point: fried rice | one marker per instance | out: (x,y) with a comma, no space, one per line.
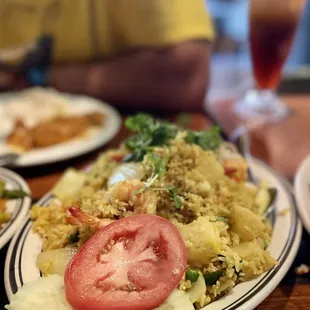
(219,215)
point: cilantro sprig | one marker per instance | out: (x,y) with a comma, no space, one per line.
(208,139)
(149,133)
(173,192)
(174,196)
(159,165)
(159,169)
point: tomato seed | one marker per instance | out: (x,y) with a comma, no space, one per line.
(128,288)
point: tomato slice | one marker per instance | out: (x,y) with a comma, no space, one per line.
(132,264)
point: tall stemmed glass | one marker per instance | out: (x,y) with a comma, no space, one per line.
(273,25)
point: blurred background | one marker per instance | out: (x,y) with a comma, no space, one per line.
(231,66)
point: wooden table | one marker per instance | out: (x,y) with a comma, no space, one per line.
(292,293)
(282,145)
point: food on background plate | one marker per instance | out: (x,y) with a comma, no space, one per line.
(55,131)
(33,106)
(5,195)
(162,171)
(40,118)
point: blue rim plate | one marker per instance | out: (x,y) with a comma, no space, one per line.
(18,207)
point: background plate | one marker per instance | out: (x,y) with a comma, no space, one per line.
(18,207)
(77,147)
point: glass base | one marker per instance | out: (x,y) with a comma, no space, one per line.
(261,106)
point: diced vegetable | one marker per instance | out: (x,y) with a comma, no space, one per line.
(70,184)
(273,194)
(265,198)
(10,194)
(202,241)
(220,219)
(13,194)
(191,275)
(198,289)
(55,261)
(212,277)
(246,224)
(237,270)
(176,301)
(252,252)
(210,168)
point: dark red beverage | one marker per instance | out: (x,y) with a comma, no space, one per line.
(273,26)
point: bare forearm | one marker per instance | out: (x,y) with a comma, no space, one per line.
(172,79)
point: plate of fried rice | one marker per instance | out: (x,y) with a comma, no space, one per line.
(169,220)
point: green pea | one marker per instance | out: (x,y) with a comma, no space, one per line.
(266,244)
(212,277)
(191,275)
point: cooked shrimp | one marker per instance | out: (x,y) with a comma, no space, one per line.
(123,193)
(77,217)
(141,203)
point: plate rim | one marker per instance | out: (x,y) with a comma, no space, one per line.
(24,206)
(301,173)
(250,299)
(277,273)
(113,112)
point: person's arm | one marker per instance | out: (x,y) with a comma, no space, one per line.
(173,78)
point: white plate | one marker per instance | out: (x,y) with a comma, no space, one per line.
(77,147)
(18,207)
(20,265)
(302,192)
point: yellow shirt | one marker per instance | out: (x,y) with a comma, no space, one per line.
(91,29)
